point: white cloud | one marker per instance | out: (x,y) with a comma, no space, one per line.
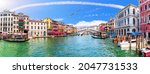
(87,24)
(59,19)
(67,3)
(5,4)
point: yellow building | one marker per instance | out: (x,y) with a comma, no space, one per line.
(49,25)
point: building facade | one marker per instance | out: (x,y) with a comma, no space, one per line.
(145,18)
(70,29)
(61,28)
(111,24)
(111,28)
(55,28)
(10,22)
(102,27)
(37,28)
(127,20)
(49,24)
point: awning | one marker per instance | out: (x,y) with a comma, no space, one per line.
(134,33)
(56,33)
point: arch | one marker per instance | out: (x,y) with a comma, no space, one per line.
(122,32)
(133,30)
(125,32)
(119,32)
(134,21)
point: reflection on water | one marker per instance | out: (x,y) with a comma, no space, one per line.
(78,46)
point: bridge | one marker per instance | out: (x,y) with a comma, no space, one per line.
(86,31)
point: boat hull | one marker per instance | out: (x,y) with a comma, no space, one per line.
(17,40)
(145,52)
(126,46)
(98,37)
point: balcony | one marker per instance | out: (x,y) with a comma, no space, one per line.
(21,23)
(21,27)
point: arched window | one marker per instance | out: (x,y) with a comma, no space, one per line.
(119,32)
(125,32)
(133,30)
(134,21)
(128,29)
(133,11)
(122,32)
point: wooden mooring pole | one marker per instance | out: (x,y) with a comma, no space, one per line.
(129,43)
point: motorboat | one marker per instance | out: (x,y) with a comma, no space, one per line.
(125,45)
(145,52)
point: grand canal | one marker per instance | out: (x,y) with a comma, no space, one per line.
(75,46)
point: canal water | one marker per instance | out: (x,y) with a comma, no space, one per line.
(75,46)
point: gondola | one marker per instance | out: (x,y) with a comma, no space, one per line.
(98,37)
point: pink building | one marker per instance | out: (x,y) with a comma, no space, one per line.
(145,17)
(102,27)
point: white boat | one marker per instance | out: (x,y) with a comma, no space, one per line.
(125,45)
(30,37)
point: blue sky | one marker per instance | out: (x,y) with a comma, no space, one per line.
(69,14)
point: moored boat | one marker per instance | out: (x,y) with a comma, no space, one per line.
(101,35)
(125,45)
(17,37)
(145,52)
(96,37)
(17,40)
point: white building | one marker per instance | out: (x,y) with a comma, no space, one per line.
(127,20)
(37,28)
(9,22)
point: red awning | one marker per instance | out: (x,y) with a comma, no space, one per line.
(56,33)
